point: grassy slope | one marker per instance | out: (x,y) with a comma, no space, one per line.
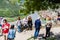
(12,19)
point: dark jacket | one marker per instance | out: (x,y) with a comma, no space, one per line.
(37,24)
(58,19)
(30,23)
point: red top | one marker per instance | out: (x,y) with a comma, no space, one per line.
(5,28)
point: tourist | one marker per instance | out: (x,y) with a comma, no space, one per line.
(5,28)
(25,23)
(11,33)
(48,28)
(1,26)
(58,17)
(37,27)
(58,20)
(18,23)
(29,23)
(0,29)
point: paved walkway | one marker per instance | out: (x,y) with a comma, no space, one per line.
(25,35)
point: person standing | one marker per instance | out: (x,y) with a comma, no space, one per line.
(0,29)
(11,33)
(37,27)
(29,23)
(5,28)
(48,27)
(58,20)
(1,26)
(19,24)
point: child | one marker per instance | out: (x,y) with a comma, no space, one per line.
(11,33)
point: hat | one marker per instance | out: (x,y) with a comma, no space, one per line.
(38,18)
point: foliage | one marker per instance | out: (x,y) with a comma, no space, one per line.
(9,8)
(32,5)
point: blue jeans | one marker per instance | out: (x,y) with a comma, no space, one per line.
(10,38)
(19,28)
(36,33)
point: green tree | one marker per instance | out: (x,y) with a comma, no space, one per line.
(11,6)
(32,5)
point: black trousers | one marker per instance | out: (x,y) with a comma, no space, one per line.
(48,31)
(29,26)
(25,26)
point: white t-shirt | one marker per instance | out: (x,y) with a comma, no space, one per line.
(25,21)
(18,22)
(48,22)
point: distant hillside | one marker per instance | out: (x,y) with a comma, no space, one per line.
(9,8)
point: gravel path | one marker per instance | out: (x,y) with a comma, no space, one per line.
(27,34)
